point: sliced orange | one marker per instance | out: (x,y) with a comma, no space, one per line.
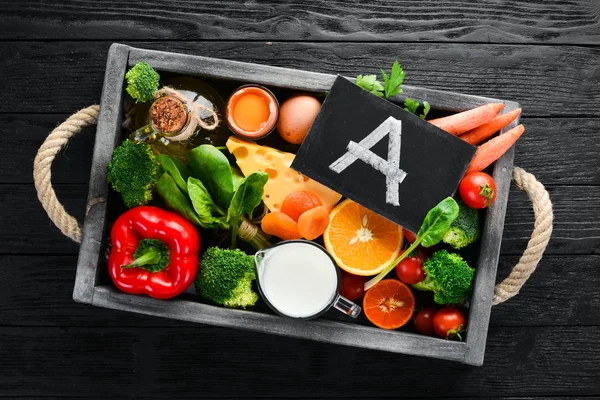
(389,304)
(360,241)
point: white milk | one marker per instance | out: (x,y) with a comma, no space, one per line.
(298,279)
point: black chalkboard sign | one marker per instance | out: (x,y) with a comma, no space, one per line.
(381,156)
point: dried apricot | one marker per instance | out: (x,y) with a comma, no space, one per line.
(297,203)
(280,225)
(313,222)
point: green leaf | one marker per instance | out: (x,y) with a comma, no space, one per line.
(394,81)
(212,167)
(434,227)
(246,198)
(174,198)
(411,105)
(178,170)
(426,108)
(210,215)
(238,178)
(437,222)
(370,83)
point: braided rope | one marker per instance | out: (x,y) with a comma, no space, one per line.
(69,226)
(542,208)
(42,169)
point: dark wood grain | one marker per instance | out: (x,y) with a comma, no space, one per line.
(25,228)
(37,291)
(556,150)
(462,21)
(187,362)
(546,80)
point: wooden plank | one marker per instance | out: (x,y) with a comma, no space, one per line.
(77,70)
(576,221)
(171,362)
(22,134)
(490,22)
(25,228)
(37,291)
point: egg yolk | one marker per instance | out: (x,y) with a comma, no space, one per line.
(251,112)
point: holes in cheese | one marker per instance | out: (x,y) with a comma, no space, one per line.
(251,157)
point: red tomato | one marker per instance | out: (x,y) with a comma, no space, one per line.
(410,270)
(408,235)
(449,323)
(478,190)
(424,321)
(352,286)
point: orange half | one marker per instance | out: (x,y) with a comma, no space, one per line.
(389,304)
(361,241)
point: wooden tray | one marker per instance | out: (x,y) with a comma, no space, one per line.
(92,289)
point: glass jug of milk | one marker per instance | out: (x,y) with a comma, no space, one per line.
(299,279)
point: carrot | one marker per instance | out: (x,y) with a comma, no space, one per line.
(479,134)
(457,124)
(312,223)
(493,149)
(280,225)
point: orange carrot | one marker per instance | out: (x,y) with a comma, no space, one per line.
(493,149)
(479,134)
(457,124)
(312,223)
(280,225)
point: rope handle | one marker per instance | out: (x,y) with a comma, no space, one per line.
(68,225)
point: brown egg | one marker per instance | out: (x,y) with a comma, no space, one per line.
(296,115)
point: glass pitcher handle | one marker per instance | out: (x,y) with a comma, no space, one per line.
(347,307)
(142,134)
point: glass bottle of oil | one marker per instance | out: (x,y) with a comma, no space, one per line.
(161,123)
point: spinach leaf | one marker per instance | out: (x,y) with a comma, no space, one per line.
(434,227)
(245,200)
(211,216)
(175,199)
(437,222)
(238,178)
(212,167)
(178,170)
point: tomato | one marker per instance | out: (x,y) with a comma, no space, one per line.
(424,321)
(449,323)
(352,286)
(409,236)
(478,190)
(410,270)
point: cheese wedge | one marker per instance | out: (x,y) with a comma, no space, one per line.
(283,180)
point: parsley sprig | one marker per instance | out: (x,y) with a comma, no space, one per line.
(392,85)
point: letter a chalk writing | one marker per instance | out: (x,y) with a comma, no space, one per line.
(390,167)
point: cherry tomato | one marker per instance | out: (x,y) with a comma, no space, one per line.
(409,236)
(449,323)
(410,270)
(352,286)
(424,321)
(478,190)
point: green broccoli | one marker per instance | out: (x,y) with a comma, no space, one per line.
(448,276)
(133,172)
(142,82)
(465,228)
(225,277)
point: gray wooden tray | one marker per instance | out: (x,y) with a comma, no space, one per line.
(92,290)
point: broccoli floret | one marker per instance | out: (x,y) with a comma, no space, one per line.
(133,172)
(142,82)
(448,276)
(465,228)
(225,277)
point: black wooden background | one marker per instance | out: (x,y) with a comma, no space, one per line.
(546,55)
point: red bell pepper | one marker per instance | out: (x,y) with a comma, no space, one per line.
(154,252)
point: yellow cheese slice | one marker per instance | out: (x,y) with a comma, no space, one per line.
(283,180)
